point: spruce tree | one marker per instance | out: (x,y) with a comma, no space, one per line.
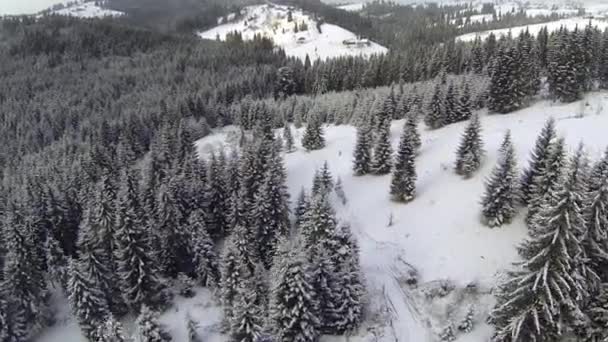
(216,199)
(452,105)
(288,138)
(293,308)
(403,184)
(205,258)
(501,194)
(148,329)
(192,327)
(538,159)
(465,103)
(383,151)
(595,242)
(547,288)
(411,127)
(470,152)
(87,300)
(313,138)
(110,331)
(323,181)
(597,311)
(363,154)
(326,286)
(231,274)
(139,280)
(301,208)
(320,221)
(547,182)
(435,116)
(246,324)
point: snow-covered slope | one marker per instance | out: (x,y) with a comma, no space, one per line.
(87,10)
(569,23)
(439,233)
(272,21)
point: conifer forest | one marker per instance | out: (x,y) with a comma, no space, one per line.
(415,185)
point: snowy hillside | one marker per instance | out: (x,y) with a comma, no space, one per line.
(569,23)
(272,21)
(90,9)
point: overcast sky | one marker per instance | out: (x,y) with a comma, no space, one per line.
(25,6)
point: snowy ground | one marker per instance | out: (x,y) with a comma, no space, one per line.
(87,10)
(271,21)
(569,23)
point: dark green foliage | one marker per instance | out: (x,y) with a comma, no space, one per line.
(403,183)
(383,152)
(313,135)
(435,116)
(205,257)
(537,159)
(363,153)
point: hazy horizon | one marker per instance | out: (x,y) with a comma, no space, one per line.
(13,7)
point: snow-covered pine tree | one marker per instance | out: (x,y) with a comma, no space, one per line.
(98,242)
(435,116)
(293,307)
(205,257)
(597,311)
(465,103)
(326,286)
(323,181)
(595,242)
(110,331)
(452,105)
(546,291)
(247,319)
(501,194)
(313,138)
(403,183)
(139,281)
(470,152)
(148,328)
(217,198)
(603,62)
(57,263)
(270,214)
(288,138)
(176,248)
(411,127)
(547,182)
(184,285)
(87,300)
(231,277)
(383,151)
(538,159)
(302,205)
(448,334)
(320,221)
(352,290)
(362,163)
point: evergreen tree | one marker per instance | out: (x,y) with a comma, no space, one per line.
(320,221)
(232,274)
(325,284)
(500,198)
(301,208)
(176,249)
(597,311)
(339,190)
(148,329)
(403,184)
(216,199)
(547,288)
(205,257)
(57,263)
(313,135)
(411,127)
(467,323)
(293,308)
(139,280)
(538,159)
(192,328)
(547,182)
(452,105)
(246,323)
(323,181)
(110,331)
(383,151)
(435,116)
(603,62)
(288,138)
(363,154)
(87,299)
(505,94)
(470,152)
(271,213)
(465,103)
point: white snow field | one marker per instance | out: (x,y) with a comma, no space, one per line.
(87,10)
(271,21)
(569,23)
